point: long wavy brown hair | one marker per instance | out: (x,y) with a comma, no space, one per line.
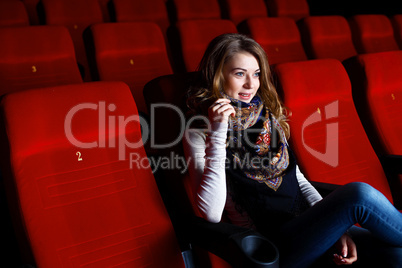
(220,50)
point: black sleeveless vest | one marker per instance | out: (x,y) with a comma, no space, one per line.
(268,209)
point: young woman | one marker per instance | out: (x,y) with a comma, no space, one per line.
(242,169)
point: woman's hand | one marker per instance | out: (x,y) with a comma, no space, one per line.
(347,249)
(220,111)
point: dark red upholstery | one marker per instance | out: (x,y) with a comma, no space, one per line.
(372,33)
(377,89)
(190,9)
(326,133)
(327,37)
(380,88)
(13,13)
(237,11)
(151,10)
(132,52)
(195,36)
(396,21)
(31,8)
(76,15)
(295,9)
(85,206)
(107,10)
(279,37)
(36,56)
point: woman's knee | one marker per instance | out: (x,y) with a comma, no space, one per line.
(360,191)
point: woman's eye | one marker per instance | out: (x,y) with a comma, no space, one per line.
(239,74)
(257,74)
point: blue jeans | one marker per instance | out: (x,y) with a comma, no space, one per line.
(311,235)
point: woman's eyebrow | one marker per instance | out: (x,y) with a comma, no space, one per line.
(244,70)
(238,68)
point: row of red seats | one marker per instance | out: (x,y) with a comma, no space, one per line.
(161,11)
(78,15)
(90,206)
(137,52)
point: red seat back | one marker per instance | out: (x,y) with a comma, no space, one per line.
(190,9)
(77,16)
(195,35)
(372,33)
(326,133)
(327,37)
(279,37)
(151,11)
(132,52)
(295,9)
(36,56)
(91,204)
(238,12)
(379,90)
(13,13)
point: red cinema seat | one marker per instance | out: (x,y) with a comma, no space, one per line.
(295,9)
(132,52)
(372,33)
(190,9)
(326,133)
(195,36)
(327,37)
(13,13)
(82,200)
(135,11)
(396,21)
(377,90)
(36,56)
(77,16)
(237,11)
(279,37)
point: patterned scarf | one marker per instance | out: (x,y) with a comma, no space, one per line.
(254,156)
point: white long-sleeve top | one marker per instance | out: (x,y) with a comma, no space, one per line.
(206,155)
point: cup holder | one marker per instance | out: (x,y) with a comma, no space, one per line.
(261,251)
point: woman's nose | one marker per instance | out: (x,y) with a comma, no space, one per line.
(248,83)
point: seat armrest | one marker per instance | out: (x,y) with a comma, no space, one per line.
(392,163)
(239,246)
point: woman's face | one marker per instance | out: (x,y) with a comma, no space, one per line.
(242,77)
